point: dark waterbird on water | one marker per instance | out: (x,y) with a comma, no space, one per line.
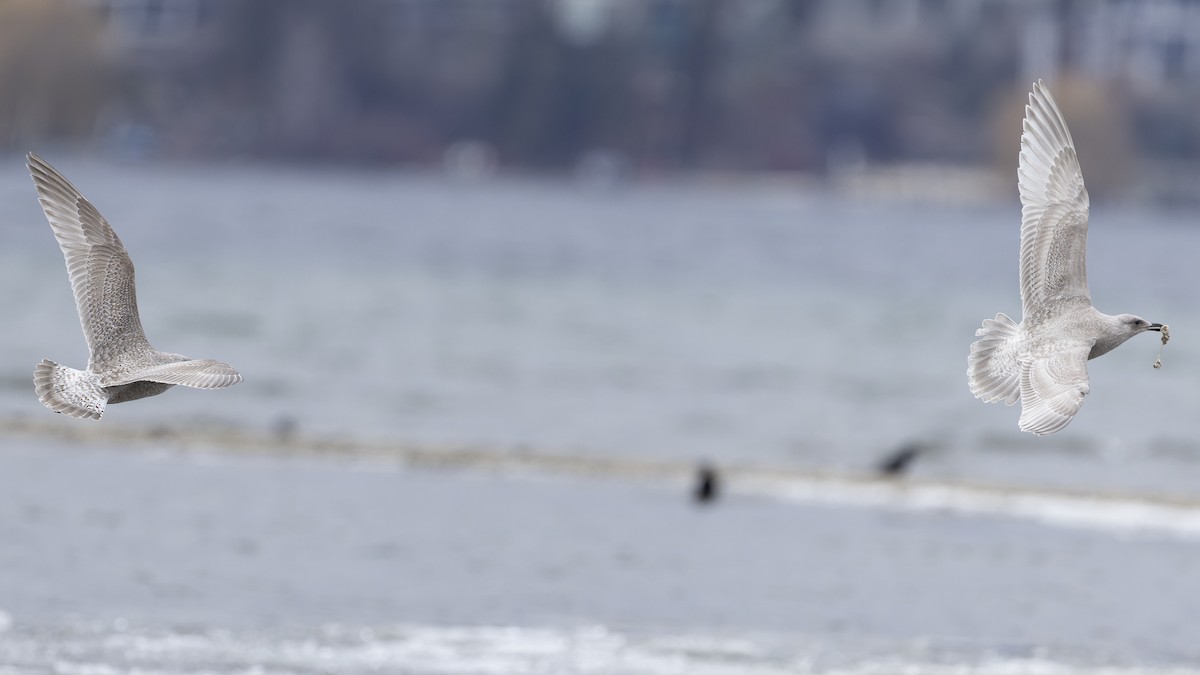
(708,484)
(899,461)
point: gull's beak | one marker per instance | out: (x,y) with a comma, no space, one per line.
(1155,326)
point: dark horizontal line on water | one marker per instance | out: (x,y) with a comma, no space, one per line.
(1124,512)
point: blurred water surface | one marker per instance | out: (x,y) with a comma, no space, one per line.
(150,562)
(751,323)
(765,325)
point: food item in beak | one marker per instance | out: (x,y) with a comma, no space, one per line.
(1166,335)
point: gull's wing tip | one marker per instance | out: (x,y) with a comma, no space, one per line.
(1039,92)
(39,167)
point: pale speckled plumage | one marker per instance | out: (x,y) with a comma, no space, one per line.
(122,365)
(1043,360)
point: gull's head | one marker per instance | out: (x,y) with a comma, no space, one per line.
(1134,324)
(1117,329)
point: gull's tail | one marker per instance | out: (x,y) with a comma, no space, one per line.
(992,369)
(72,392)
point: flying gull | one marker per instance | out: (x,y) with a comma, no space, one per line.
(122,365)
(1043,360)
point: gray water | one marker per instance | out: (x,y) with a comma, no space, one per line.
(752,325)
(157,562)
(768,325)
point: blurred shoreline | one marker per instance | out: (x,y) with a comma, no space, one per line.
(1158,185)
(1095,508)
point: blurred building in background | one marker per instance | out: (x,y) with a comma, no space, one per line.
(749,85)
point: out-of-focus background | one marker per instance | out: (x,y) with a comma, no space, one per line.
(508,279)
(813,87)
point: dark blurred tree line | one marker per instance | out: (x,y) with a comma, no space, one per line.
(55,74)
(665,84)
(366,80)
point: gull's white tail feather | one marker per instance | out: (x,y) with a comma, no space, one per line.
(992,368)
(72,392)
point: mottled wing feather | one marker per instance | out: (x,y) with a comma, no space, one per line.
(101,272)
(72,392)
(993,370)
(1053,387)
(198,373)
(1054,213)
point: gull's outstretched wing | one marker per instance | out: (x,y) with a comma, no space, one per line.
(1054,213)
(1053,387)
(198,373)
(100,269)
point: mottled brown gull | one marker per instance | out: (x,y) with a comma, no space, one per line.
(1043,360)
(122,365)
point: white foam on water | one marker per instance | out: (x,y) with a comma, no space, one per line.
(1108,513)
(998,666)
(497,650)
